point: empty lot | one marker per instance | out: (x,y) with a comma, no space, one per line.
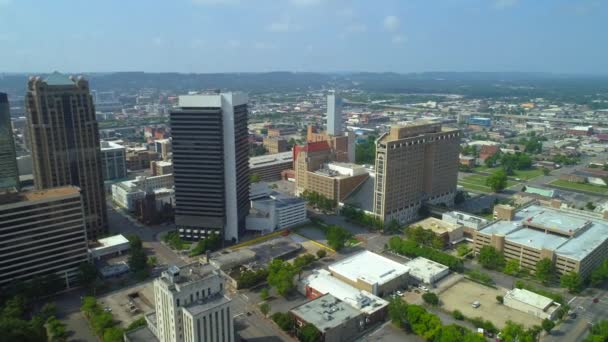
(463,293)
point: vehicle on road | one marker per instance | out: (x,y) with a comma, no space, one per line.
(476,304)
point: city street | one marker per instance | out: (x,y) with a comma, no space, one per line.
(588,312)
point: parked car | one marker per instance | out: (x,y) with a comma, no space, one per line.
(476,304)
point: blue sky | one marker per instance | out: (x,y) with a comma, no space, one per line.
(563,36)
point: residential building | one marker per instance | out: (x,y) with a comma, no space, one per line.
(113,161)
(139,158)
(275,144)
(488,151)
(336,320)
(371,272)
(321,282)
(334,115)
(64,139)
(43,234)
(415,164)
(211,165)
(9,173)
(531,303)
(269,167)
(190,307)
(161,167)
(426,271)
(574,240)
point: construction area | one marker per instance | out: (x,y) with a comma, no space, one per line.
(461,295)
(130,303)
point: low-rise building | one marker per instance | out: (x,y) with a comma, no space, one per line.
(269,167)
(531,303)
(426,271)
(161,167)
(574,240)
(276,211)
(321,282)
(139,158)
(470,223)
(164,148)
(127,193)
(275,144)
(451,233)
(335,180)
(110,246)
(336,320)
(371,272)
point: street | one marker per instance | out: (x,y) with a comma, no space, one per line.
(587,313)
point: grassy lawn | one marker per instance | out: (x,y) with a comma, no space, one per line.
(602,190)
(478,183)
(522,174)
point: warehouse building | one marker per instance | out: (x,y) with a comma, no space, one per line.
(531,303)
(371,272)
(575,240)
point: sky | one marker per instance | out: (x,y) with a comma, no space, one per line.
(202,36)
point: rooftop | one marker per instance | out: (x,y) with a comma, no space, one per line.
(420,267)
(271,159)
(436,226)
(190,273)
(37,195)
(530,298)
(114,240)
(322,281)
(58,79)
(370,267)
(203,305)
(325,312)
(141,334)
(110,145)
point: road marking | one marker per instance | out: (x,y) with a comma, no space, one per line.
(571,300)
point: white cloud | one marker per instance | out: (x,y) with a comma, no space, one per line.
(399,39)
(213,2)
(305,3)
(504,4)
(281,25)
(158,41)
(391,23)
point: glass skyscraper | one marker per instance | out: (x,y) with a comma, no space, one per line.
(9,175)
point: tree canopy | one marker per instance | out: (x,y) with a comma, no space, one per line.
(490,258)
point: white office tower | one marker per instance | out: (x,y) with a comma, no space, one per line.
(334,115)
(211,165)
(190,307)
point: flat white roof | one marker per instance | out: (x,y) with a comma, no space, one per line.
(370,267)
(422,268)
(111,241)
(323,282)
(530,298)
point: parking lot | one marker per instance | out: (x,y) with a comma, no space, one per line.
(462,294)
(130,303)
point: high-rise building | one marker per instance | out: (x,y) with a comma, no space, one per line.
(113,160)
(42,233)
(9,174)
(190,306)
(334,115)
(64,140)
(211,165)
(415,164)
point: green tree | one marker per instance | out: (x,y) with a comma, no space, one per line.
(283,320)
(463,249)
(87,274)
(56,329)
(140,322)
(309,333)
(101,321)
(600,274)
(254,178)
(546,171)
(497,181)
(456,314)
(544,270)
(397,311)
(500,299)
(280,276)
(430,298)
(89,306)
(265,308)
(572,281)
(365,153)
(513,332)
(264,294)
(337,237)
(48,310)
(393,226)
(321,253)
(113,334)
(512,267)
(548,325)
(598,332)
(490,258)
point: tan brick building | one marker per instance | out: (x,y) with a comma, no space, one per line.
(276,144)
(341,146)
(416,163)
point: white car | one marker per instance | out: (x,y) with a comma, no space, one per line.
(476,304)
(423,288)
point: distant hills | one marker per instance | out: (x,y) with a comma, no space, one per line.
(475,84)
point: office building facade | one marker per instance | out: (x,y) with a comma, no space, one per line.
(113,161)
(42,233)
(211,165)
(9,174)
(334,115)
(415,164)
(65,142)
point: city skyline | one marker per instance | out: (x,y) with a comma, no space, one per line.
(306,35)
